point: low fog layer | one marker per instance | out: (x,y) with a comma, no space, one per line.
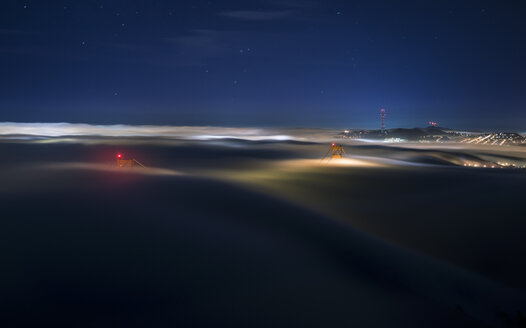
(185,132)
(213,228)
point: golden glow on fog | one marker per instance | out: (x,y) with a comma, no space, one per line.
(343,162)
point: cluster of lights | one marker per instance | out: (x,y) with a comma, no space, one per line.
(506,164)
(497,139)
(492,166)
(499,165)
(354,133)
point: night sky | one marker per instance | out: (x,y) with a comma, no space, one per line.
(264,63)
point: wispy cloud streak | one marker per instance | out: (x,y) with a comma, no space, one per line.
(253,15)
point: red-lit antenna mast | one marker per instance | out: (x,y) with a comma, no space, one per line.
(382,120)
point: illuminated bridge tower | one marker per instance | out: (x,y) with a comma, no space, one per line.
(127,162)
(337,151)
(382,120)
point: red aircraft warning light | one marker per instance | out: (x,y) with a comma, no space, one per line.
(119,156)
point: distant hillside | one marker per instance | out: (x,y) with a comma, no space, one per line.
(438,134)
(413,134)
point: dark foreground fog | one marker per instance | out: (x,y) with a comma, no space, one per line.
(244,233)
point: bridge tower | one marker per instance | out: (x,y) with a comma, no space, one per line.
(127,162)
(337,151)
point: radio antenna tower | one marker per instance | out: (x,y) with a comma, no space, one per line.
(382,120)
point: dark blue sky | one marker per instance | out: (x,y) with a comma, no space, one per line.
(264,63)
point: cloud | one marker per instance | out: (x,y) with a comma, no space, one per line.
(22,42)
(6,31)
(17,32)
(197,47)
(254,15)
(297,4)
(201,43)
(277,9)
(31,50)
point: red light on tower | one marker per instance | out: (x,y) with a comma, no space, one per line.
(119,156)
